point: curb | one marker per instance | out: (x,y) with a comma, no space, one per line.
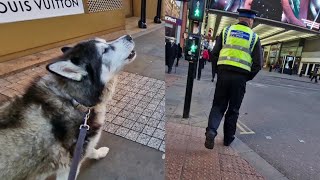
(256,161)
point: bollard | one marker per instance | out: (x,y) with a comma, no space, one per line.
(142,22)
(157,17)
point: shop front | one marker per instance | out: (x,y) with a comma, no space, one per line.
(27,27)
(271,54)
(172,24)
(310,57)
(290,56)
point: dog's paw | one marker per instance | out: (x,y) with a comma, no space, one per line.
(102,152)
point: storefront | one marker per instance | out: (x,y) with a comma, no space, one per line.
(172,24)
(310,57)
(271,54)
(27,27)
(292,50)
(41,24)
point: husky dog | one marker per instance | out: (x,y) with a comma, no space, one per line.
(39,130)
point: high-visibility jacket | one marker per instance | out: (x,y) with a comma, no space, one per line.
(238,42)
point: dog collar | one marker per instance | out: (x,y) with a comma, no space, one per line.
(79,106)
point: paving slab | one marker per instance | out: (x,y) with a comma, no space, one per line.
(136,161)
(187,158)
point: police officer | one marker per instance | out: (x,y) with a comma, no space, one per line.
(238,57)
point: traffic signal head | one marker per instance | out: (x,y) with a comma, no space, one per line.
(196,11)
(192,48)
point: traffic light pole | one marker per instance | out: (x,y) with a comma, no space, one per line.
(188,96)
(191,75)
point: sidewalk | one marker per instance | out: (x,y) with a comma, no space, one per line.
(134,125)
(22,63)
(186,156)
(294,77)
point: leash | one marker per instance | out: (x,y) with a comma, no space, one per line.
(78,150)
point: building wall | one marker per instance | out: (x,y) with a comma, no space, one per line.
(311,45)
(27,37)
(171,8)
(311,51)
(151,8)
(310,55)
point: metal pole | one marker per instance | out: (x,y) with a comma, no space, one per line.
(142,22)
(157,18)
(187,99)
(191,75)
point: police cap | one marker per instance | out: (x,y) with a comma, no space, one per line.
(247,13)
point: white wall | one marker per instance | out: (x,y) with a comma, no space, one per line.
(312,57)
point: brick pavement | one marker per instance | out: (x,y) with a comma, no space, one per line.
(135,113)
(16,84)
(137,110)
(187,158)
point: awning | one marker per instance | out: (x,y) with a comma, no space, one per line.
(269,31)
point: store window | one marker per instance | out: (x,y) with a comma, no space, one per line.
(274,54)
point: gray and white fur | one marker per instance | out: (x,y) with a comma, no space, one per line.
(38,131)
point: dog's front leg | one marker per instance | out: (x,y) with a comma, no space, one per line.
(63,173)
(98,153)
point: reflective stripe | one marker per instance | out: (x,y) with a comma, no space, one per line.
(225,34)
(253,41)
(238,48)
(223,58)
(235,64)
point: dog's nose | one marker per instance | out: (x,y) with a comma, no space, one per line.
(128,37)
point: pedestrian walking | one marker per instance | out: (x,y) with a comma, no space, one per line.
(238,55)
(171,54)
(202,60)
(179,54)
(315,74)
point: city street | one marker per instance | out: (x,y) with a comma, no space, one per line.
(284,116)
(278,118)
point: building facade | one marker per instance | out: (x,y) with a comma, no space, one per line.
(172,8)
(37,26)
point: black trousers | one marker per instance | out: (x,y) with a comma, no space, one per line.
(200,67)
(213,70)
(177,63)
(315,77)
(229,93)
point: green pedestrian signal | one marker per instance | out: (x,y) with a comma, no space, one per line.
(196,11)
(193,48)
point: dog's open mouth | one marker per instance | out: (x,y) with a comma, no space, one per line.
(131,55)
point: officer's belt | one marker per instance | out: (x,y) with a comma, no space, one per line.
(229,46)
(226,58)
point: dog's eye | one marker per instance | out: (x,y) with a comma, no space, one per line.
(105,50)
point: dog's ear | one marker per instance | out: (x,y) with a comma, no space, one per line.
(67,69)
(65,49)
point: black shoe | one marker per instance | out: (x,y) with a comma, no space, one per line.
(228,141)
(176,65)
(212,80)
(209,144)
(198,79)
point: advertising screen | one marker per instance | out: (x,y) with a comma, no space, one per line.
(303,13)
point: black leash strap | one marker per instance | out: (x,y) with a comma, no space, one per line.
(79,147)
